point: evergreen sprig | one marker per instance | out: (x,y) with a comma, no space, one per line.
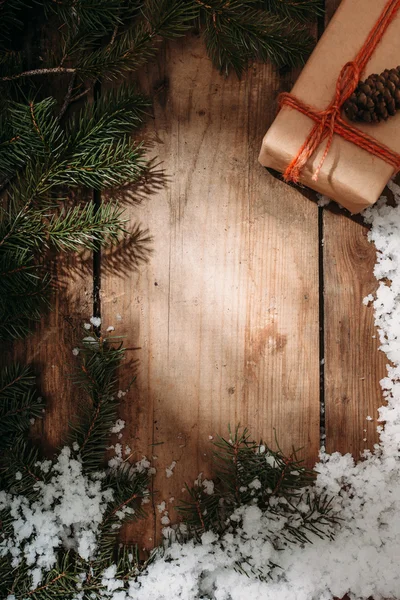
(107,39)
(19,403)
(39,160)
(249,473)
(22,474)
(97,376)
(237,33)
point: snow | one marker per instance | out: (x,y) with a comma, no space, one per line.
(119,426)
(165,519)
(67,511)
(323,200)
(208,486)
(161,507)
(95,321)
(169,471)
(362,558)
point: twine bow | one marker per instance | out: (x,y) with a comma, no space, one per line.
(329,121)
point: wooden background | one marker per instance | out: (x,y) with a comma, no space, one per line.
(249,309)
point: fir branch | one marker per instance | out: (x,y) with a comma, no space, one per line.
(15,380)
(105,166)
(137,44)
(130,487)
(249,473)
(297,10)
(88,15)
(11,17)
(61,581)
(36,72)
(97,376)
(24,293)
(86,226)
(19,470)
(115,114)
(236,34)
(19,403)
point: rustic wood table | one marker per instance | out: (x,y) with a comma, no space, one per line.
(249,309)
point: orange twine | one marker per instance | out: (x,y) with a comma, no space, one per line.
(329,121)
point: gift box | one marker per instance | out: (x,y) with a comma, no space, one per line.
(351,175)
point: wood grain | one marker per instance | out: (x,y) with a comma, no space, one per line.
(353,364)
(226,312)
(49,349)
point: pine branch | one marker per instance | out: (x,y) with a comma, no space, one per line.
(36,72)
(86,226)
(24,476)
(106,166)
(10,17)
(237,34)
(97,376)
(98,15)
(115,114)
(61,581)
(130,487)
(24,293)
(249,473)
(132,48)
(41,157)
(19,403)
(297,10)
(19,471)
(128,52)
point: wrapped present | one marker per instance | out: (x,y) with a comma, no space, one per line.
(312,140)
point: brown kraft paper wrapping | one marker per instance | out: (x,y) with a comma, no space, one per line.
(350,176)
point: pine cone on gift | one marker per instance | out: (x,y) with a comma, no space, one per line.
(376,98)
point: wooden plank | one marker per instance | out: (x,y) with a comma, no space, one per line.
(226,312)
(353,364)
(49,349)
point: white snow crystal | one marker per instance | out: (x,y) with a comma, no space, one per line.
(165,519)
(368,299)
(75,351)
(95,321)
(255,484)
(119,426)
(169,471)
(208,486)
(67,511)
(323,200)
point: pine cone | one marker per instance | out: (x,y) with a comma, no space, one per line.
(376,98)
